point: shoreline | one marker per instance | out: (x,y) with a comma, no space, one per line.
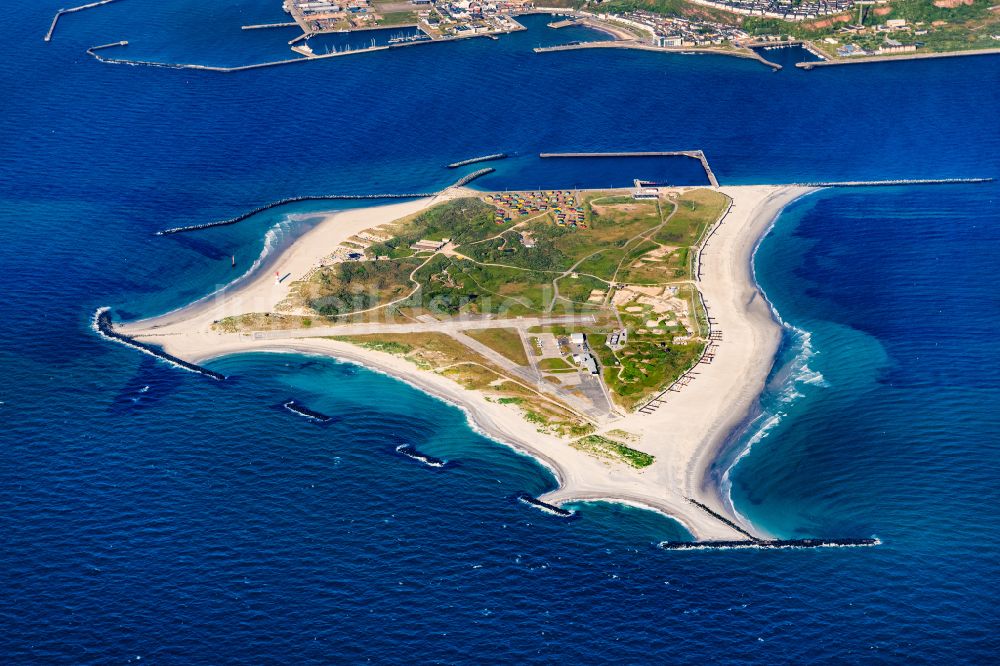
(728,444)
(700,418)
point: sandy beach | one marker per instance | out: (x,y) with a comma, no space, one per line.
(684,434)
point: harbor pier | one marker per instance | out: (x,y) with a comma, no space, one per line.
(695,154)
(62,12)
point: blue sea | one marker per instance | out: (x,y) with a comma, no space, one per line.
(152,514)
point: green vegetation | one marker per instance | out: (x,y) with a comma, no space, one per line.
(390,19)
(263,321)
(393,347)
(451,286)
(604,447)
(461,220)
(951,25)
(611,225)
(355,285)
(554,365)
(505,341)
(696,211)
(647,364)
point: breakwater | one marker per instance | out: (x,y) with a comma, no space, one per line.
(93,52)
(694,154)
(749,54)
(465,180)
(105,328)
(890,58)
(266,26)
(768,543)
(892,183)
(526,498)
(412,453)
(289,200)
(474,160)
(302,410)
(62,12)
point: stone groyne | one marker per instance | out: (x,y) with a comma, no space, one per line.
(413,454)
(526,498)
(768,543)
(474,160)
(297,408)
(106,329)
(465,180)
(892,183)
(720,517)
(290,200)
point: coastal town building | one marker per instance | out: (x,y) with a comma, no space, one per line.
(617,339)
(670,31)
(788,10)
(434,20)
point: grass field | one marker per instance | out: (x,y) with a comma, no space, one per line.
(505,341)
(554,365)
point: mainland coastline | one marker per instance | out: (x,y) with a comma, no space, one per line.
(685,434)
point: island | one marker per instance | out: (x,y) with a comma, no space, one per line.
(617,336)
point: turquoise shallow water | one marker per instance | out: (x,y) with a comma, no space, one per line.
(195,521)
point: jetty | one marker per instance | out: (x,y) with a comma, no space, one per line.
(300,409)
(891,58)
(265,26)
(695,154)
(413,454)
(465,180)
(62,12)
(474,160)
(768,543)
(105,328)
(526,498)
(289,200)
(894,183)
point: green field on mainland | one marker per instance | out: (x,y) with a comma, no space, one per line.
(390,19)
(950,25)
